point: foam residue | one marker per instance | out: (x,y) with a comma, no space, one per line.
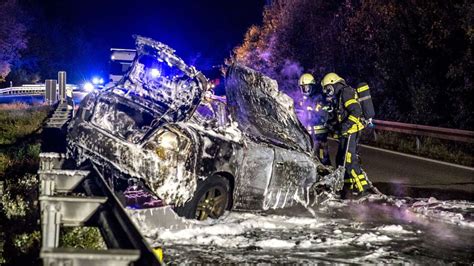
(274,243)
(300,238)
(396,229)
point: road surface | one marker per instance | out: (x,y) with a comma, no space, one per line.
(401,231)
(406,175)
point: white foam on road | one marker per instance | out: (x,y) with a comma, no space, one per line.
(253,237)
(371,237)
(243,230)
(448,211)
(275,243)
(394,229)
(233,224)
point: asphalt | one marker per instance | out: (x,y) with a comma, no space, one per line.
(407,175)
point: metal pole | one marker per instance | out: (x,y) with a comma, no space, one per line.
(48,93)
(62,86)
(54,92)
(347,149)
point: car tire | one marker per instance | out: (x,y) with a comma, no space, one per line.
(211,199)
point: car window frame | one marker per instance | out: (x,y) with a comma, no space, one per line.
(124,99)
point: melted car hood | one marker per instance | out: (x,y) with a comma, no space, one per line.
(162,82)
(263,111)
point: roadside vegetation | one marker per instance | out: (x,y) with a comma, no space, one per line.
(20,231)
(19,158)
(418,64)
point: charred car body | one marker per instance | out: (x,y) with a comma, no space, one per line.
(160,127)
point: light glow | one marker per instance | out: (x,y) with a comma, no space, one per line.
(97,81)
(155,73)
(88,86)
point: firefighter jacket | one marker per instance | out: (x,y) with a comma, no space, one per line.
(348,112)
(312,112)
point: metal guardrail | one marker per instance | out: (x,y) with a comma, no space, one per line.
(100,208)
(33,89)
(429,131)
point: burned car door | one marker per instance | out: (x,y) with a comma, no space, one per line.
(255,173)
(266,115)
(293,172)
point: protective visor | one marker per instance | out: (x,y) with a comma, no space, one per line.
(306,89)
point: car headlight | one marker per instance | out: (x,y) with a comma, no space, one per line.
(168,144)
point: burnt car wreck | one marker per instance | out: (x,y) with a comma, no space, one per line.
(200,153)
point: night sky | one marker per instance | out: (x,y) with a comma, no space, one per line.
(202,32)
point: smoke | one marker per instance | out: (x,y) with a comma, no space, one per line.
(291,70)
(287,78)
(287,72)
(265,55)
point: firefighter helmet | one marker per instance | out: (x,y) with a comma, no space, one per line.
(307,79)
(307,83)
(331,79)
(328,83)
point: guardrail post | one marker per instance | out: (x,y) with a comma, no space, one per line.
(418,143)
(375,135)
(50,94)
(51,221)
(46,187)
(62,85)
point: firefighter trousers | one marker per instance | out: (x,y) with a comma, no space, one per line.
(321,150)
(354,178)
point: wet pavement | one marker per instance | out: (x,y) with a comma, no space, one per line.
(392,230)
(404,175)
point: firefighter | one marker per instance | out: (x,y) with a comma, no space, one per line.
(347,125)
(314,116)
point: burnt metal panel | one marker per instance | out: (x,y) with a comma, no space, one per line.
(261,110)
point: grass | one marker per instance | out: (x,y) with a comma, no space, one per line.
(81,237)
(19,121)
(438,149)
(20,232)
(19,157)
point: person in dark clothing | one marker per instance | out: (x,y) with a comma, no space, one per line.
(347,125)
(313,115)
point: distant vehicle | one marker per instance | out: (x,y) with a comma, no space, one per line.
(120,62)
(161,128)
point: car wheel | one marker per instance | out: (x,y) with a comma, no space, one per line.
(210,200)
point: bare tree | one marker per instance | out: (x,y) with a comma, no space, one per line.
(12,35)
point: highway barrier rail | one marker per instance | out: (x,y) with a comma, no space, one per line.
(30,89)
(429,131)
(99,207)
